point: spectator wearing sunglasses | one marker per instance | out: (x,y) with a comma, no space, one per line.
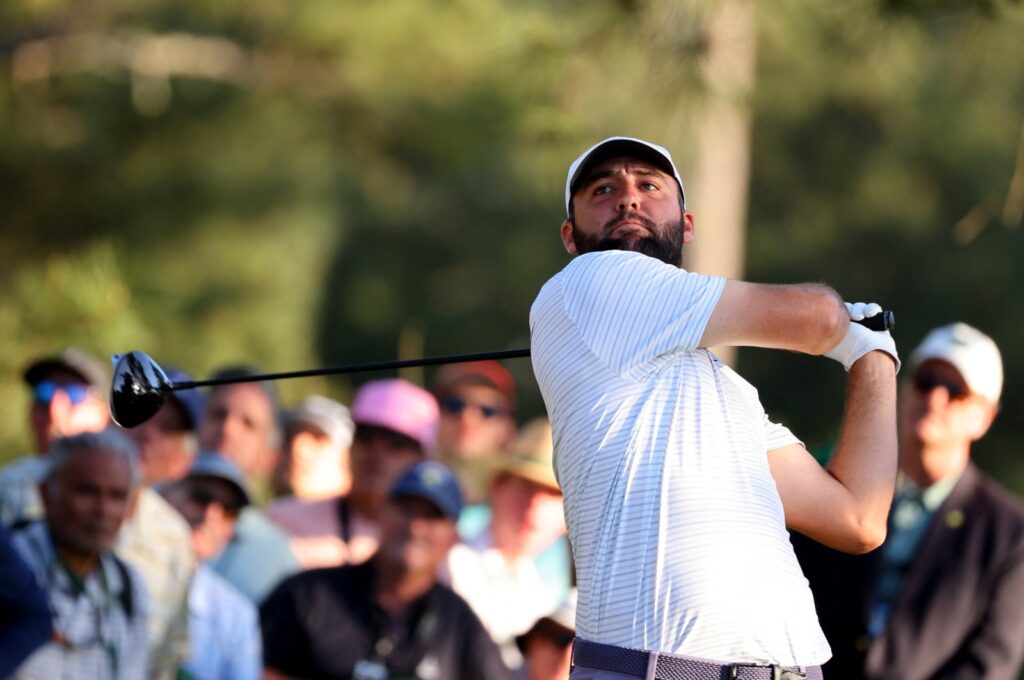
(477,401)
(547,646)
(68,397)
(942,596)
(223,623)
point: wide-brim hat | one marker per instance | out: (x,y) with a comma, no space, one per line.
(531,457)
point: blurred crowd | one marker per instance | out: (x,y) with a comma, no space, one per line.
(413,533)
(420,534)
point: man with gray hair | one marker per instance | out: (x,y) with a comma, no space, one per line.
(99,603)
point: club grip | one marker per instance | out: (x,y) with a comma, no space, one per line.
(883,321)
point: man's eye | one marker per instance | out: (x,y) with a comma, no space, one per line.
(601,190)
(649,186)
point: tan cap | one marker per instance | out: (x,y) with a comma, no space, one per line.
(89,368)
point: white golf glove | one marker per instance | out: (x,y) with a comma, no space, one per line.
(860,340)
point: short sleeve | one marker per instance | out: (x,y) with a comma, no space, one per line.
(630,309)
(776,435)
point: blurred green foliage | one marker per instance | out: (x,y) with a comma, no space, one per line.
(301,183)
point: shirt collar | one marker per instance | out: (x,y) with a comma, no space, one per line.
(931,497)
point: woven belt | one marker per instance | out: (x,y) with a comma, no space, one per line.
(638,663)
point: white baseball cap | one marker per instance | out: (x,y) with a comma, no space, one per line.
(970,351)
(326,415)
(614,147)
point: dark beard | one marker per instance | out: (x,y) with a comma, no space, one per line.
(665,244)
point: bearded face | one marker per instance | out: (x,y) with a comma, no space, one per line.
(661,241)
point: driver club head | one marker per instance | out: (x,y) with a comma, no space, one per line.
(138,389)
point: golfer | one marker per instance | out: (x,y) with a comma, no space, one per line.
(678,487)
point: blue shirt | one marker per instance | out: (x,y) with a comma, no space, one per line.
(224,631)
(257,558)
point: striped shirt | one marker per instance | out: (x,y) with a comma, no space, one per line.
(95,638)
(661,452)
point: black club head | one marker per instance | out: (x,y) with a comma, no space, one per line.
(138,388)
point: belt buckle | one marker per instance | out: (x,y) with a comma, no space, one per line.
(778,672)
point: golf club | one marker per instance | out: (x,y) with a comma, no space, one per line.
(140,385)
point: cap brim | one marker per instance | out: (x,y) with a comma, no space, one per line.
(618,148)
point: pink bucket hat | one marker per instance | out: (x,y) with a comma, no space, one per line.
(400,406)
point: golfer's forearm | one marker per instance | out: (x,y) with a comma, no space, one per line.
(809,318)
(866,456)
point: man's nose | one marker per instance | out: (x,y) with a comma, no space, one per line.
(938,397)
(629,198)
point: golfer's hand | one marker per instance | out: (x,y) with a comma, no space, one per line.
(859,340)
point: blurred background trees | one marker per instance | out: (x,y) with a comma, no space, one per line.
(317,182)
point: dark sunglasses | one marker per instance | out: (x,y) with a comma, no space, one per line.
(553,633)
(456,405)
(44,391)
(925,382)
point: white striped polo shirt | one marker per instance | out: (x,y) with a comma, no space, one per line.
(661,450)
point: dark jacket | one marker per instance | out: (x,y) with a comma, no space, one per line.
(960,613)
(326,623)
(25,622)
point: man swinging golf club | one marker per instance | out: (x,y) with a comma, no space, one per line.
(678,488)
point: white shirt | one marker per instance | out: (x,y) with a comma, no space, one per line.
(94,637)
(507,597)
(661,452)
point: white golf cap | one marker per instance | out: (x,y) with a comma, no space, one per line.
(326,415)
(970,351)
(615,147)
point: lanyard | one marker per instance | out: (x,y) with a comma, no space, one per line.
(61,579)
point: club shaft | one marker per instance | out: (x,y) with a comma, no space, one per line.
(357,368)
(883,321)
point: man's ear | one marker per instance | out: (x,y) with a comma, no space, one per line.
(567,239)
(688,226)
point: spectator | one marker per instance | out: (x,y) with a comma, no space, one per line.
(168,441)
(477,401)
(223,624)
(154,538)
(25,623)
(547,646)
(316,468)
(241,423)
(496,570)
(395,428)
(99,603)
(68,397)
(942,597)
(315,457)
(388,617)
(236,540)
